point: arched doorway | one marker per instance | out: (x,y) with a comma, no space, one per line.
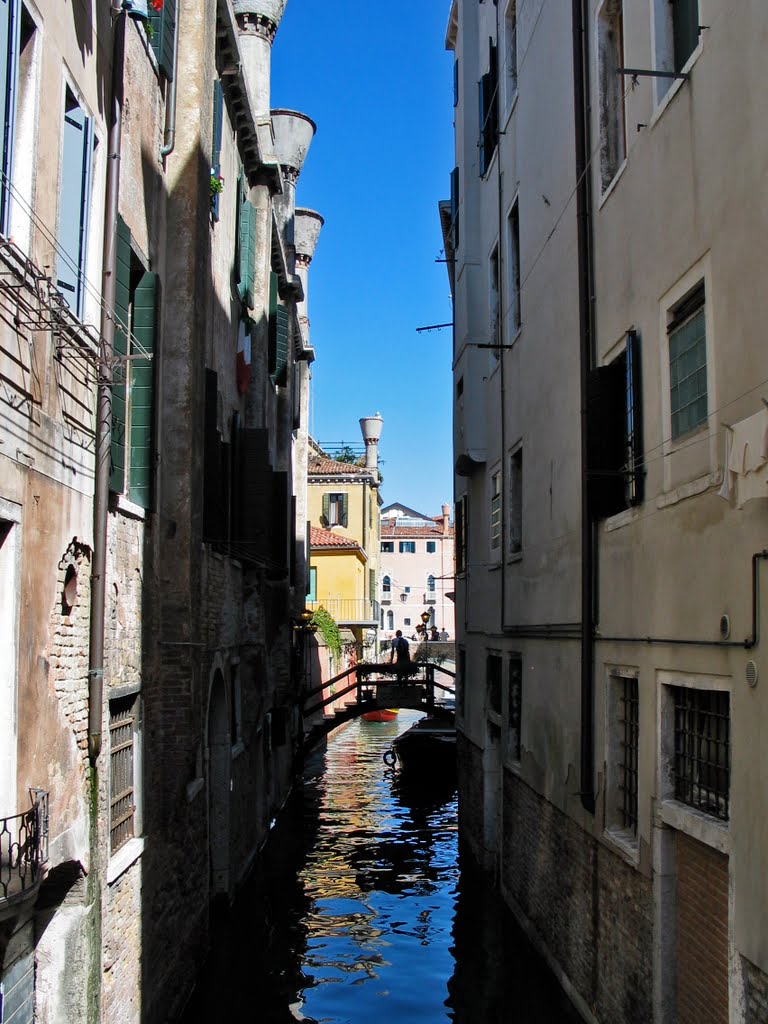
(219,767)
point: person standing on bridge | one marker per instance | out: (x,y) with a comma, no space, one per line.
(401,650)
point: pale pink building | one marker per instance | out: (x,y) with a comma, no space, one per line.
(416,571)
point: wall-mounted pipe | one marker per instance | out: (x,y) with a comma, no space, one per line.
(104,399)
(169,138)
(581,92)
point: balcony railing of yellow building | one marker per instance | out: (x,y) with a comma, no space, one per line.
(349,611)
(23,850)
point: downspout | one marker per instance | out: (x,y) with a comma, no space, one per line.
(502,349)
(169,138)
(581,92)
(104,400)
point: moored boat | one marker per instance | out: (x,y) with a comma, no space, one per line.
(429,746)
(382,715)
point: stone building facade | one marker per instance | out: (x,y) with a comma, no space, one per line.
(611,490)
(154,355)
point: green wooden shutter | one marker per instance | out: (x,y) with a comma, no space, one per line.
(163,24)
(272,332)
(371,585)
(281,345)
(218,114)
(326,509)
(122,321)
(246,250)
(344,509)
(142,392)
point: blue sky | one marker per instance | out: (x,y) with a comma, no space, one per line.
(378,82)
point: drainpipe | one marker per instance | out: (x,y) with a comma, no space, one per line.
(500,339)
(586,345)
(169,139)
(104,401)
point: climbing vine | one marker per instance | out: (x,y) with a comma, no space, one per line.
(329,630)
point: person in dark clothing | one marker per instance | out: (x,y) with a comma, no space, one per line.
(400,655)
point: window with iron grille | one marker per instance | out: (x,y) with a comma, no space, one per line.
(461,517)
(688,364)
(496,510)
(702,764)
(122,763)
(628,725)
(515,706)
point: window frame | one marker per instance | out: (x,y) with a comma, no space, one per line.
(683,315)
(407,547)
(511,83)
(495,516)
(133,703)
(516,485)
(514,313)
(75,265)
(609,25)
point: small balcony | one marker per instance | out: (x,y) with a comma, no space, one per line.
(23,852)
(349,611)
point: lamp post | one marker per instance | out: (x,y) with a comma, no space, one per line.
(425,616)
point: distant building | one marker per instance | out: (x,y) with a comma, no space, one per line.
(416,571)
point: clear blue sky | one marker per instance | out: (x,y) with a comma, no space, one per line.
(378,82)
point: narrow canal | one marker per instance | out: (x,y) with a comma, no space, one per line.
(360,913)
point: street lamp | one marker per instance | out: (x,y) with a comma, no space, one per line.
(425,617)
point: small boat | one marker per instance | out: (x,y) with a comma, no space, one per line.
(382,715)
(429,746)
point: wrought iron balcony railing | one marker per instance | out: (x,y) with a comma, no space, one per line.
(349,611)
(23,850)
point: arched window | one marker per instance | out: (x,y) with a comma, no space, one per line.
(390,620)
(386,585)
(431,584)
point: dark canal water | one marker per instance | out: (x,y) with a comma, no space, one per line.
(361,915)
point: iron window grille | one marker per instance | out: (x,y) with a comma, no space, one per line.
(496,510)
(515,707)
(629,725)
(122,803)
(702,765)
(493,682)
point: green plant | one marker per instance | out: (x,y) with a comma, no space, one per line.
(149,30)
(217,185)
(328,630)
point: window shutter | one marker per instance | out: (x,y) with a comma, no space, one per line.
(212,528)
(371,585)
(247,250)
(163,24)
(482,92)
(74,196)
(281,345)
(455,207)
(218,114)
(606,439)
(344,509)
(272,333)
(326,509)
(685,30)
(456,83)
(142,392)
(635,480)
(122,323)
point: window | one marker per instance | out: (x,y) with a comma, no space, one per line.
(246,246)
(123,730)
(495,510)
(386,585)
(688,364)
(513,250)
(510,53)
(615,433)
(335,510)
(390,620)
(431,584)
(676,37)
(388,547)
(218,115)
(278,332)
(18,95)
(372,585)
(514,706)
(132,448)
(611,85)
(406,590)
(74,202)
(431,547)
(312,595)
(407,547)
(489,111)
(493,299)
(702,756)
(493,683)
(163,24)
(516,502)
(461,677)
(455,208)
(406,622)
(456,83)
(460,517)
(626,705)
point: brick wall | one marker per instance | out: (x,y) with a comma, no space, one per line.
(702,933)
(69,644)
(755,992)
(121,996)
(587,907)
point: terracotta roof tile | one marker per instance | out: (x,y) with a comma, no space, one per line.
(328,539)
(391,529)
(321,465)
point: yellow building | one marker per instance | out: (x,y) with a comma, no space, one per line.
(343,513)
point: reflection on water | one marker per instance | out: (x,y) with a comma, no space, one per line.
(357,915)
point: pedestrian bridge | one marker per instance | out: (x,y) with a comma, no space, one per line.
(371,687)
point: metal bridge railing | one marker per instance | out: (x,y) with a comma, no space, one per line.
(23,849)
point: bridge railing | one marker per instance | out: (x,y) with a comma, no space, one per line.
(362,684)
